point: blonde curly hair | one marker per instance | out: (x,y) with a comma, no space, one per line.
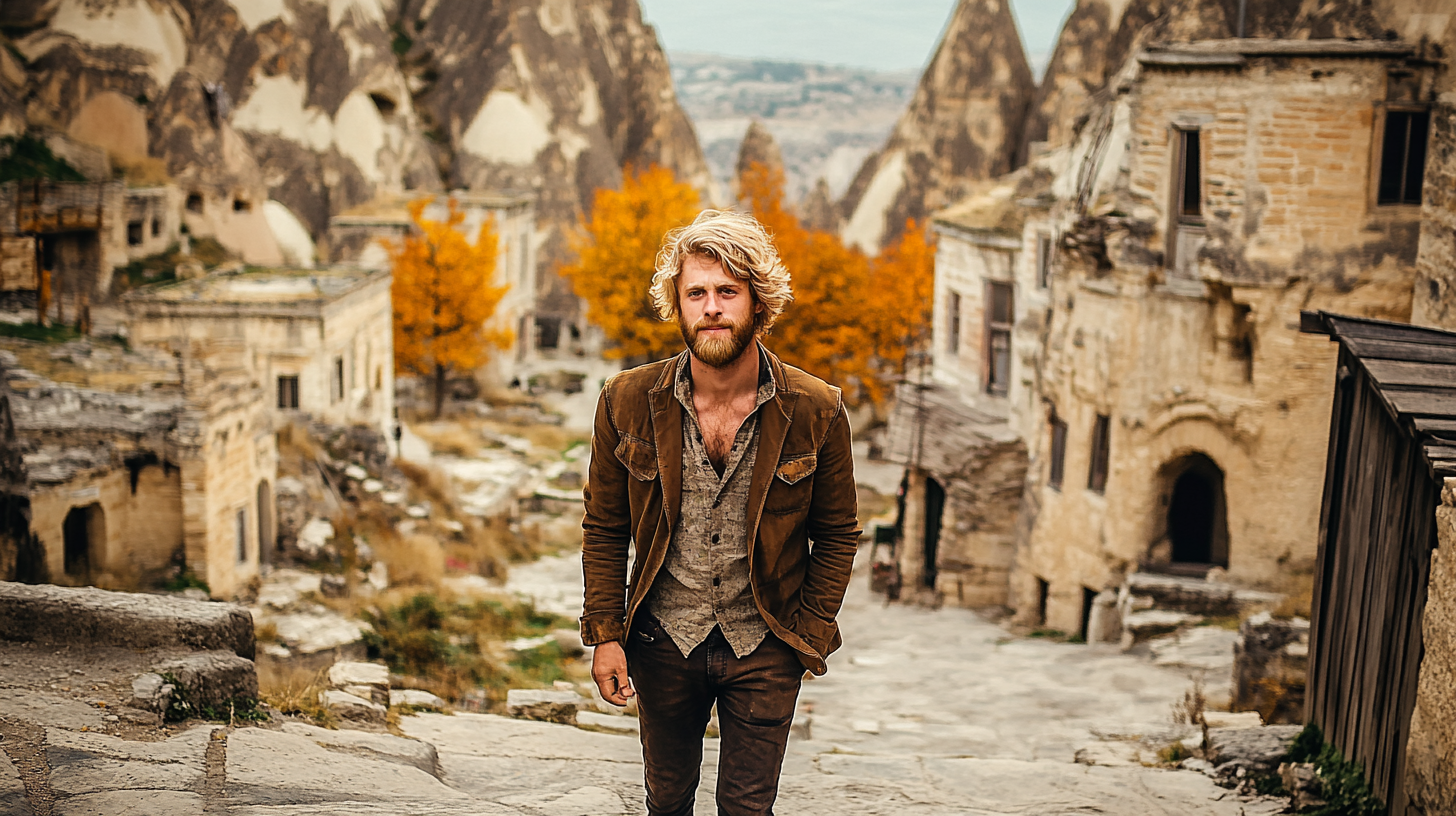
(741,245)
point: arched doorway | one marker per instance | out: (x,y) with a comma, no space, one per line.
(267,538)
(1197,523)
(934,506)
(84,536)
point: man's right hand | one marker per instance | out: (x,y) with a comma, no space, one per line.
(609,670)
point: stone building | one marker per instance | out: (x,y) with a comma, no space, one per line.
(65,228)
(136,464)
(321,341)
(1130,305)
(361,237)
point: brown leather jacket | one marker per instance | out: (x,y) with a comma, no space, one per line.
(802,489)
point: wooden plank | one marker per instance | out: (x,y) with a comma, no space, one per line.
(1406,372)
(1435,425)
(1400,332)
(1372,349)
(1430,402)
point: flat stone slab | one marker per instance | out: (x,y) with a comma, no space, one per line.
(414,753)
(277,768)
(86,763)
(70,615)
(12,789)
(150,802)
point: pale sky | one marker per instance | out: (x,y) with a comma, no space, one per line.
(886,35)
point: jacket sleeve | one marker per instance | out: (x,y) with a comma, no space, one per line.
(606,534)
(833,526)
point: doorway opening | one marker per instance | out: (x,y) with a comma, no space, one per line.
(1197,515)
(934,506)
(83,533)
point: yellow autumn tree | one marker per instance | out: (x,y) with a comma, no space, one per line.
(616,248)
(444,298)
(827,329)
(902,284)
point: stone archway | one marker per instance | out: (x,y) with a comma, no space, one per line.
(1196,522)
(84,538)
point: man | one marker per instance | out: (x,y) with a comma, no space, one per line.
(720,466)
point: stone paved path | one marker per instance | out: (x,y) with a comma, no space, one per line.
(923,712)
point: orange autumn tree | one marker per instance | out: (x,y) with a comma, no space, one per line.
(616,248)
(902,283)
(444,298)
(826,330)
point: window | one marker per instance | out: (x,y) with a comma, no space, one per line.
(134,233)
(288,391)
(242,205)
(953,322)
(548,333)
(998,337)
(384,104)
(156,228)
(242,536)
(1189,175)
(1043,260)
(336,393)
(1059,451)
(194,202)
(1403,157)
(1097,474)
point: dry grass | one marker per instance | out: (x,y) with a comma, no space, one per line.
(294,691)
(414,560)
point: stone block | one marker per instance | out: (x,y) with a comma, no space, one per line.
(1271,661)
(547,705)
(68,615)
(416,699)
(1252,748)
(352,673)
(210,679)
(606,722)
(353,707)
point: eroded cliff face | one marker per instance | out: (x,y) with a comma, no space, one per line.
(555,96)
(963,125)
(277,114)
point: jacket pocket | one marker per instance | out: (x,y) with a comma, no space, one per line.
(791,489)
(639,457)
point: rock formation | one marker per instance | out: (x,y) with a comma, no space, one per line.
(963,125)
(273,116)
(817,210)
(555,96)
(758,147)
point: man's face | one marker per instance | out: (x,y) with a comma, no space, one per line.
(715,311)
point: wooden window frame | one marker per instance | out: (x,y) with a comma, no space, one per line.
(1377,157)
(993,329)
(336,380)
(1177,189)
(1101,454)
(287,404)
(1057,469)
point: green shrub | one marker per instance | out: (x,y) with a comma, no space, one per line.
(27,157)
(1342,781)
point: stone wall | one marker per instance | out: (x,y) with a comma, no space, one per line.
(1209,368)
(1430,779)
(140,529)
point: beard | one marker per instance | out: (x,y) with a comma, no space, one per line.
(712,349)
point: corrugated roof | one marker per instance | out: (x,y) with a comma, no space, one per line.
(1414,369)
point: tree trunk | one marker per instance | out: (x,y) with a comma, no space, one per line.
(439,390)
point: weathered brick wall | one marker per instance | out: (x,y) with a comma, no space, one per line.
(1214,366)
(142,527)
(1431,752)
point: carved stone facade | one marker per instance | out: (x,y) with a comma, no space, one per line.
(319,343)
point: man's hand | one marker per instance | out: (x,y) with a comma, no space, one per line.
(609,669)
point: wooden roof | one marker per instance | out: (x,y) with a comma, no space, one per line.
(1414,370)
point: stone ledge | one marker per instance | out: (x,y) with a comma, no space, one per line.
(65,615)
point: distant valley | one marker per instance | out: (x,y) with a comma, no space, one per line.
(826,119)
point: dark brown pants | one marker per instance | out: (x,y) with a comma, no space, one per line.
(675,695)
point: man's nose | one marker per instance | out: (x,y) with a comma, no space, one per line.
(712,305)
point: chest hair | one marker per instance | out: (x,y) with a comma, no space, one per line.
(720,423)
